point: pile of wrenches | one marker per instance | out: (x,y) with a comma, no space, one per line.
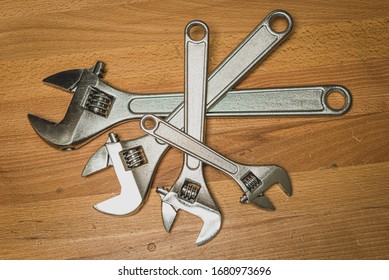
(96,107)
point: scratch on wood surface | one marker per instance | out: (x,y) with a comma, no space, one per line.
(356,138)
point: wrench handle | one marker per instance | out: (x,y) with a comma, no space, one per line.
(290,101)
(196,66)
(174,137)
(253,49)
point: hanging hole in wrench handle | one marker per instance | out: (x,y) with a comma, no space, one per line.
(280,22)
(148,123)
(336,100)
(196,31)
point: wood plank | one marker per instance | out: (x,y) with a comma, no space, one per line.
(339,166)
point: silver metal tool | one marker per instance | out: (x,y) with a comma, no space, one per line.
(254,180)
(140,157)
(190,192)
(96,106)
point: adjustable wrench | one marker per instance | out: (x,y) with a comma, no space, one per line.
(137,159)
(96,106)
(254,180)
(190,192)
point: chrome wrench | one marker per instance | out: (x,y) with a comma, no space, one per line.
(254,180)
(190,192)
(136,160)
(96,106)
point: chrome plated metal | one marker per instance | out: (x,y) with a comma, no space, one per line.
(253,180)
(254,48)
(190,192)
(84,120)
(293,101)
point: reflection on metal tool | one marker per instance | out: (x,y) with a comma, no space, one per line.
(190,192)
(254,180)
(253,49)
(97,107)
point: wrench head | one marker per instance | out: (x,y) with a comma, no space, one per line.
(134,168)
(197,201)
(211,218)
(94,108)
(106,156)
(257,179)
(77,123)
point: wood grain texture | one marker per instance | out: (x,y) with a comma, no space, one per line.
(339,166)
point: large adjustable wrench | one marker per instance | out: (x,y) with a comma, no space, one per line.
(96,106)
(136,160)
(190,192)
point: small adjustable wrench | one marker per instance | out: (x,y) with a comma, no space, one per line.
(190,192)
(254,180)
(140,157)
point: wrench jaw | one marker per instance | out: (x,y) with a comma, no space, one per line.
(255,180)
(48,131)
(94,108)
(65,80)
(122,204)
(98,161)
(169,214)
(211,226)
(68,80)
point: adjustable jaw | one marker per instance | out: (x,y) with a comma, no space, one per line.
(68,80)
(94,108)
(192,197)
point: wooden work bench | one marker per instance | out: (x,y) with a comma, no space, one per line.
(339,165)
